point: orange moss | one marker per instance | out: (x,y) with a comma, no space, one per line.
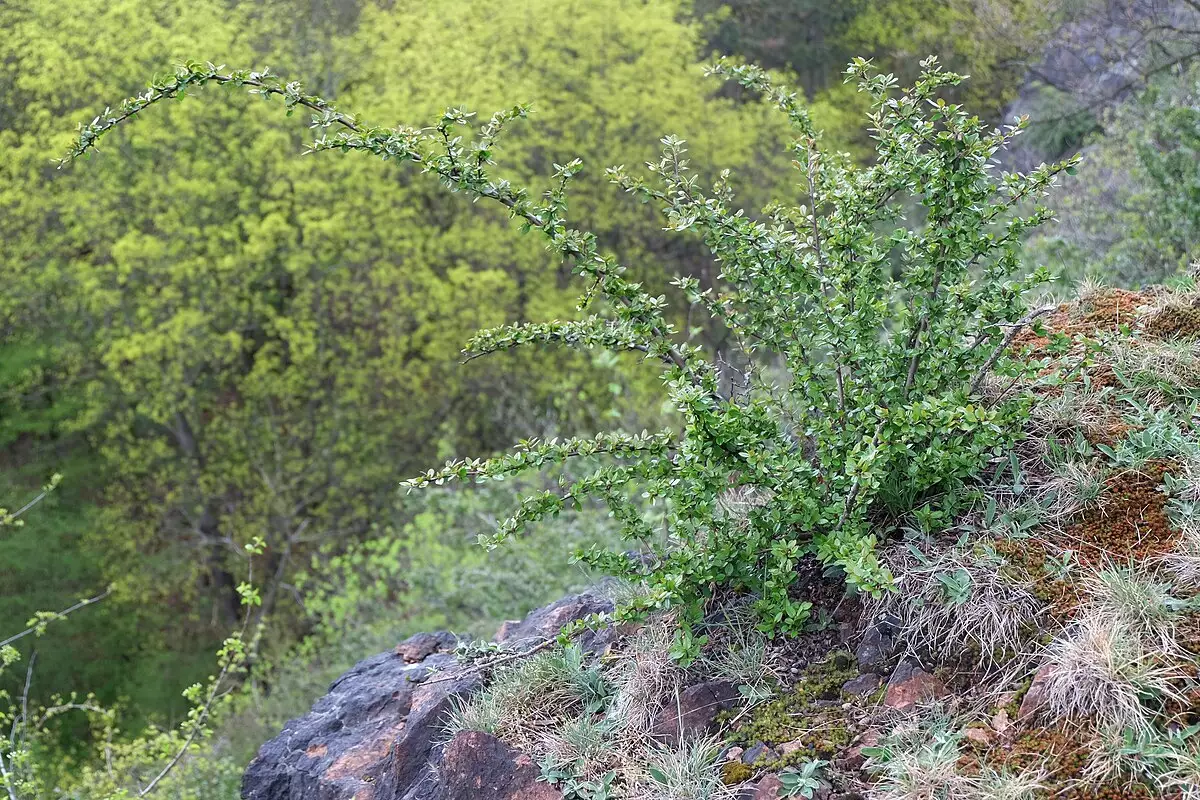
(1065,754)
(1029,555)
(1107,311)
(1131,522)
(1108,432)
(1176,321)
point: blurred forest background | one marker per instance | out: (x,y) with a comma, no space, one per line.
(213,339)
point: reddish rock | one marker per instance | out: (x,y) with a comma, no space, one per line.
(422,645)
(911,686)
(852,760)
(477,766)
(339,749)
(984,737)
(769,787)
(1035,698)
(787,748)
(695,712)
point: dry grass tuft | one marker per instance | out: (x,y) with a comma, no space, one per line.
(1183,563)
(742,654)
(920,760)
(961,599)
(645,676)
(530,698)
(1135,601)
(588,743)
(1100,670)
(690,772)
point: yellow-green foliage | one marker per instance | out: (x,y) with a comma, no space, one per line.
(991,40)
(265,343)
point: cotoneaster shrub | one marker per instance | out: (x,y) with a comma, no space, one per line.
(867,315)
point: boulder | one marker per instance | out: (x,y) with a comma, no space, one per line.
(478,766)
(695,712)
(368,736)
(378,733)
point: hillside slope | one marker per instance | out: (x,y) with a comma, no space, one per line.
(1046,645)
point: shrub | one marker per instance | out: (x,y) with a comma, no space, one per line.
(881,304)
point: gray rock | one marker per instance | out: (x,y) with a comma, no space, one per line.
(376,735)
(758,752)
(338,750)
(863,684)
(544,623)
(695,712)
(874,651)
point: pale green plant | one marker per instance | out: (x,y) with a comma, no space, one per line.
(690,772)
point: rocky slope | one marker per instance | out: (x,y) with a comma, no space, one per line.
(1046,645)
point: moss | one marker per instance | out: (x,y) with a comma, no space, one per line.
(1176,321)
(1065,755)
(810,714)
(735,772)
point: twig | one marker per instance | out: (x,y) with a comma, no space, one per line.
(1004,345)
(214,694)
(59,614)
(495,662)
(24,699)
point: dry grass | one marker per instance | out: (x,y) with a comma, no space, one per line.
(529,699)
(1183,563)
(1151,361)
(742,654)
(994,619)
(588,743)
(1075,486)
(1004,784)
(1102,671)
(1134,600)
(645,676)
(920,760)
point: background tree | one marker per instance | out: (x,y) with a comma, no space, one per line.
(254,344)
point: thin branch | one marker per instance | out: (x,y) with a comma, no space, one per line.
(8,780)
(58,615)
(494,662)
(1004,345)
(16,514)
(198,723)
(25,698)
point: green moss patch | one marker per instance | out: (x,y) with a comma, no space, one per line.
(810,714)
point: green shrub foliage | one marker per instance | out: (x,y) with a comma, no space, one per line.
(868,318)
